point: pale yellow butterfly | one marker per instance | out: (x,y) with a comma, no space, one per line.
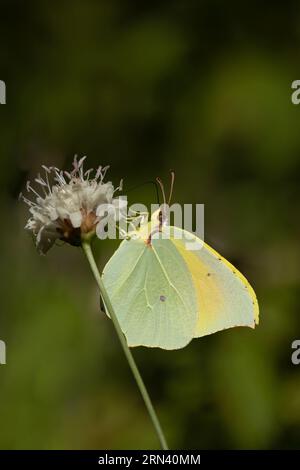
(164,294)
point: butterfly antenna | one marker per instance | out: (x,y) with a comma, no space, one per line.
(157,191)
(162,189)
(171,186)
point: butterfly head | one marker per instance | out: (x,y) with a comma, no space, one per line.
(160,217)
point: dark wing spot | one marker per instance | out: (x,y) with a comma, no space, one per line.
(208,274)
(162,298)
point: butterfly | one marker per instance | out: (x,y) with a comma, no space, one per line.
(165,294)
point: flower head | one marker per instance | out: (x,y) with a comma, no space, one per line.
(71,204)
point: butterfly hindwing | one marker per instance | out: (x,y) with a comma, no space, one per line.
(153,294)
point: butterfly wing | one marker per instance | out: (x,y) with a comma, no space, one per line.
(153,294)
(224,296)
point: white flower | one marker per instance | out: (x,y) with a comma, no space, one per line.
(71,206)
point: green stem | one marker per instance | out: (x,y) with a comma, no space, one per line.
(86,245)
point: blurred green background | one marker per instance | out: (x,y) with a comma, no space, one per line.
(202,87)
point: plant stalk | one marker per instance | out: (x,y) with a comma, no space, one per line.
(86,245)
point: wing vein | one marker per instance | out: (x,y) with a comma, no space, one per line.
(169,281)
